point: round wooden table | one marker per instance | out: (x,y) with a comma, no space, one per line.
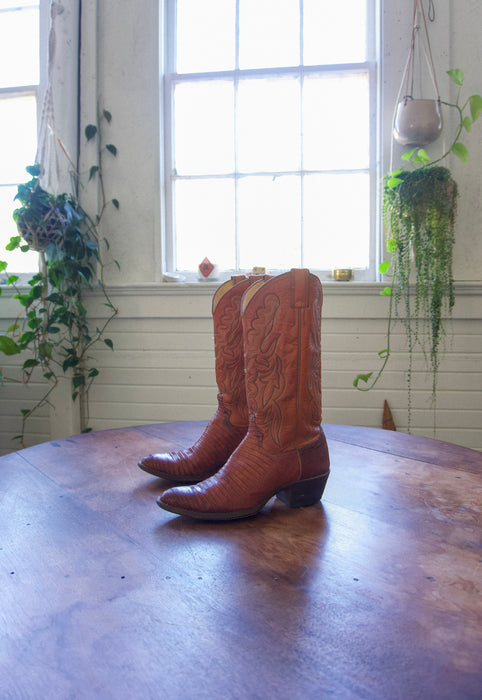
(373,593)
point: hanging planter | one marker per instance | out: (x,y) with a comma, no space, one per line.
(417,122)
(419,208)
(418,117)
(40,220)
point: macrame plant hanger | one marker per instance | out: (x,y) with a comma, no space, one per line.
(50,148)
(417,119)
(48,158)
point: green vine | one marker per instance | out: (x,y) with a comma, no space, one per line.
(419,213)
(52,326)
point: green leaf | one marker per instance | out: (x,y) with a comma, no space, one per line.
(394,182)
(78,380)
(3,265)
(467,123)
(90,131)
(109,343)
(12,328)
(460,151)
(25,412)
(93,373)
(408,154)
(115,202)
(457,76)
(8,346)
(475,102)
(386,292)
(94,169)
(45,349)
(111,148)
(391,245)
(55,298)
(107,115)
(362,378)
(69,362)
(383,353)
(424,156)
(12,279)
(383,268)
(33,170)
(14,243)
(30,363)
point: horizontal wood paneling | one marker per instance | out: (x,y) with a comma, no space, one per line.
(162,366)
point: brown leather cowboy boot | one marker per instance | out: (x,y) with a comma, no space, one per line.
(230,422)
(284,452)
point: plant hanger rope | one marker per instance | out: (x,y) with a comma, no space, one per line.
(406,91)
(49,145)
(410,77)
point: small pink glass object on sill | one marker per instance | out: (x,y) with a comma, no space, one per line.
(207,271)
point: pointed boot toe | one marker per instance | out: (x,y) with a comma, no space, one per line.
(180,500)
(175,466)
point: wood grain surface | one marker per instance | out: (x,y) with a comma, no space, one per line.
(373,593)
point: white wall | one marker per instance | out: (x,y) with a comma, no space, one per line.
(162,367)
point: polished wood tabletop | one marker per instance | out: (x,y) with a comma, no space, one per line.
(373,593)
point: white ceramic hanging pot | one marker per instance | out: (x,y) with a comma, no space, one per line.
(417,122)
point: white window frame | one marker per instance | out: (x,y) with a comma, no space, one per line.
(29,91)
(169,78)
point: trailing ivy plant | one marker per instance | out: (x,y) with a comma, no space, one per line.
(52,328)
(419,212)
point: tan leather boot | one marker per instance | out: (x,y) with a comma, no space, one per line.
(230,422)
(284,452)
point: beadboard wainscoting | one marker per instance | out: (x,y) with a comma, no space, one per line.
(162,366)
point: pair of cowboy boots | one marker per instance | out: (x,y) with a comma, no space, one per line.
(265,438)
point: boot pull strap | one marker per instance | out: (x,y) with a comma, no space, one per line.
(300,289)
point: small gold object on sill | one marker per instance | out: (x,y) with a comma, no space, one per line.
(259,271)
(343,275)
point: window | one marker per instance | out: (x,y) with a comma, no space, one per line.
(270,125)
(19,79)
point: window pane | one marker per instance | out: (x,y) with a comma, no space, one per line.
(334,32)
(205,35)
(336,214)
(269,222)
(18,138)
(14,4)
(269,125)
(269,33)
(19,48)
(17,261)
(336,128)
(204,128)
(204,223)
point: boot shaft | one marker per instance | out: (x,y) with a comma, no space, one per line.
(282,345)
(228,347)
